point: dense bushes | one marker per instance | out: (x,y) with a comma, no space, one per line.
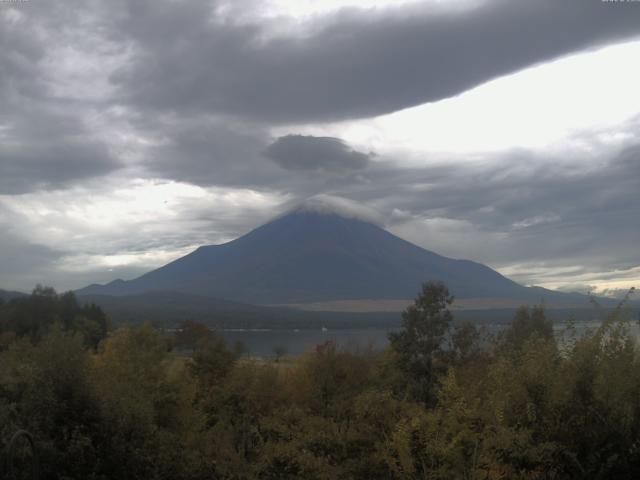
(442,402)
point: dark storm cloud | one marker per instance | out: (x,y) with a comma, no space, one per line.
(190,63)
(42,148)
(23,49)
(211,152)
(46,163)
(305,153)
(44,141)
(354,63)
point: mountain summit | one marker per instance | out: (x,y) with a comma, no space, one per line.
(320,251)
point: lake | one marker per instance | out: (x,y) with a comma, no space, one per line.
(261,342)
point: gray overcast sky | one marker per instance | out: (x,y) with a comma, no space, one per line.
(503,131)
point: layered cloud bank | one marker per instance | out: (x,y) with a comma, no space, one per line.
(501,131)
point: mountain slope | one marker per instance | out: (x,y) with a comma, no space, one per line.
(9,295)
(312,256)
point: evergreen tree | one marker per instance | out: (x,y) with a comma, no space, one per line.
(418,345)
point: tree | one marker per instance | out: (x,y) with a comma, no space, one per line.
(45,388)
(33,316)
(527,323)
(212,360)
(466,344)
(149,428)
(418,345)
(190,333)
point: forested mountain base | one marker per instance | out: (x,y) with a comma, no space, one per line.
(441,402)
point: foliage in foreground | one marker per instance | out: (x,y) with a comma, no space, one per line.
(442,402)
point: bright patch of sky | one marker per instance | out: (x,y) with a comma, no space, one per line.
(541,107)
(615,283)
(135,227)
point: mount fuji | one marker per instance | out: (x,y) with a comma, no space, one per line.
(323,250)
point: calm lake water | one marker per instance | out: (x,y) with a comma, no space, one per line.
(296,342)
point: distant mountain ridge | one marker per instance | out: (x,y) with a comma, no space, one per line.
(169,308)
(10,295)
(315,255)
